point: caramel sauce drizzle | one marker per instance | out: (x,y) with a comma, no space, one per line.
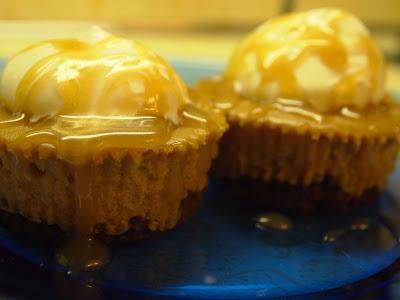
(110,77)
(273,52)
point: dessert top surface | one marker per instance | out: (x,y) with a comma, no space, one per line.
(376,122)
(323,57)
(93,74)
(84,96)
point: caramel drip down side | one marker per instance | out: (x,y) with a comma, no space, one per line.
(85,202)
(81,251)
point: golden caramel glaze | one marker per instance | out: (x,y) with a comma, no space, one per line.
(323,57)
(378,122)
(78,99)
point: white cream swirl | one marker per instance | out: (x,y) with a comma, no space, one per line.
(92,74)
(324,57)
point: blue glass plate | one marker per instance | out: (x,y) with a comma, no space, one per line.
(220,252)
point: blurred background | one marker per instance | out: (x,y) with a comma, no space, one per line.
(204,31)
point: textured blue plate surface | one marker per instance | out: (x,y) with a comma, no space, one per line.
(220,253)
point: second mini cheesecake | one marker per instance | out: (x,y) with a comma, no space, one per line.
(304,97)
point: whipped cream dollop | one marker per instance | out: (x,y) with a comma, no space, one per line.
(324,57)
(95,73)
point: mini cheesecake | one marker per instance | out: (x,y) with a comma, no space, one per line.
(99,136)
(304,96)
